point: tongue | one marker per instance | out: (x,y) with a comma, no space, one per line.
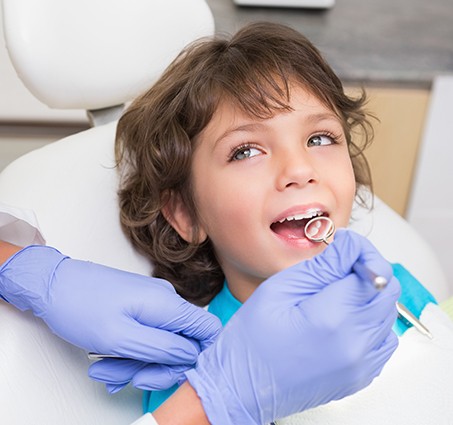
(293,229)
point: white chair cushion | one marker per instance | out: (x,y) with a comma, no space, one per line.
(71,187)
(44,381)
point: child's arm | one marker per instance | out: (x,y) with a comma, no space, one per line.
(182,408)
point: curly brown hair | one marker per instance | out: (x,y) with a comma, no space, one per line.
(156,136)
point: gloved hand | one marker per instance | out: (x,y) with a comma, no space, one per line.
(117,373)
(109,311)
(308,335)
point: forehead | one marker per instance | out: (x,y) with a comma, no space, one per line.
(230,114)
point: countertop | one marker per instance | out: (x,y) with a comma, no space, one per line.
(402,42)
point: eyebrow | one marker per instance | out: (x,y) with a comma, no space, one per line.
(250,127)
(324,116)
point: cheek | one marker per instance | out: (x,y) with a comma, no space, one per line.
(341,182)
(346,188)
(224,210)
(349,181)
(226,214)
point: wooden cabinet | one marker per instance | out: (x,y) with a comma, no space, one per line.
(398,133)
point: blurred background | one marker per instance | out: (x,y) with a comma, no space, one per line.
(400,51)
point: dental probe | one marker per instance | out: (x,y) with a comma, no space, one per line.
(410,318)
(97,356)
(380,282)
(320,229)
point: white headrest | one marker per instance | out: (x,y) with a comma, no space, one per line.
(93,54)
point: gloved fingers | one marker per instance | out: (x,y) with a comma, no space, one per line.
(393,288)
(179,316)
(379,357)
(113,388)
(376,263)
(378,318)
(356,292)
(336,261)
(338,301)
(388,347)
(348,247)
(378,332)
(117,373)
(326,308)
(360,330)
(289,286)
(372,366)
(137,304)
(156,377)
(384,303)
(348,307)
(151,345)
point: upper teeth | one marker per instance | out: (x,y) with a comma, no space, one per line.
(308,214)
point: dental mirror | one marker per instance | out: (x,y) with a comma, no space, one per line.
(319,229)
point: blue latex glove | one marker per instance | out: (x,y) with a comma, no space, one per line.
(308,335)
(109,311)
(117,373)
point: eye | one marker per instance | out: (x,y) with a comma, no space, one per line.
(244,152)
(321,140)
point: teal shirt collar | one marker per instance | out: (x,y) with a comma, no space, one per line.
(224,305)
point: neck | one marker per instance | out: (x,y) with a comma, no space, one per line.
(240,287)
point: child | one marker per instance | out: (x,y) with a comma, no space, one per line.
(212,88)
(230,153)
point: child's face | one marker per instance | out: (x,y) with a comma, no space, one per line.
(251,174)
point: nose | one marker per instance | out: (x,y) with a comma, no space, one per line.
(295,169)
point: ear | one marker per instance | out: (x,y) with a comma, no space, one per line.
(177,214)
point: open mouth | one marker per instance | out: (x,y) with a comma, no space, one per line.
(293,226)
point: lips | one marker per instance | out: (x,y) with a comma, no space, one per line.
(292,226)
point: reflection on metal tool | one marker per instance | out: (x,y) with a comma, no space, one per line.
(408,317)
(97,356)
(320,229)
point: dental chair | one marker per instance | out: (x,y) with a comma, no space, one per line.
(94,55)
(97,55)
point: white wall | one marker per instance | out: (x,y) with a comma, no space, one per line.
(431,203)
